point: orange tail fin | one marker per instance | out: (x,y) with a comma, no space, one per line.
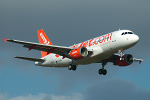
(43,39)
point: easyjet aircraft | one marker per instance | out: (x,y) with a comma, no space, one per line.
(101,49)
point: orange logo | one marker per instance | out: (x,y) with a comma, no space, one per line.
(102,40)
(44,39)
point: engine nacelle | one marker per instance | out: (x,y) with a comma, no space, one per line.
(127,60)
(79,53)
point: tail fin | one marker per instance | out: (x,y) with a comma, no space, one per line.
(43,39)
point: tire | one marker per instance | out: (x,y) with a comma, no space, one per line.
(104,72)
(100,71)
(69,67)
(72,67)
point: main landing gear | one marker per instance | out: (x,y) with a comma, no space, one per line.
(121,55)
(72,67)
(103,71)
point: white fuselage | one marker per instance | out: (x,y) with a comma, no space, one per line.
(102,47)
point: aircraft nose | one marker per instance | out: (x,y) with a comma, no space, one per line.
(135,38)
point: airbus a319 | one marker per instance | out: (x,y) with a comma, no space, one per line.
(101,49)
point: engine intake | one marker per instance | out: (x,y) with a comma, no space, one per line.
(79,53)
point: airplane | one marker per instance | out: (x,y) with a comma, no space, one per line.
(102,49)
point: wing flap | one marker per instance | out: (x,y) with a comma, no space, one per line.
(30,59)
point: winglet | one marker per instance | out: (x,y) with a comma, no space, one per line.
(5,40)
(140,62)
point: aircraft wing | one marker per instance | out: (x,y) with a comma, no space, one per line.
(60,50)
(138,60)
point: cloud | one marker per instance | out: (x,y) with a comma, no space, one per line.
(44,97)
(116,89)
(63,19)
(113,89)
(3,97)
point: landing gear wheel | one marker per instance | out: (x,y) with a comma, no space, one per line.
(102,71)
(69,67)
(72,67)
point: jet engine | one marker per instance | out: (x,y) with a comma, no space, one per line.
(127,60)
(79,53)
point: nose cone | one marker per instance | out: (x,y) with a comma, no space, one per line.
(135,39)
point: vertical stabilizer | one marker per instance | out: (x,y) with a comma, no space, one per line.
(43,39)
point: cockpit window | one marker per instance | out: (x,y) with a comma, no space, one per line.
(124,33)
(130,33)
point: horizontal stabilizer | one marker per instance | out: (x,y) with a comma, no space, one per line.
(30,59)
